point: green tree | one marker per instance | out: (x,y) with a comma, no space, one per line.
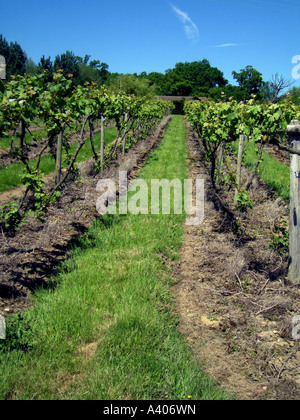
(226,93)
(15,57)
(250,82)
(69,63)
(87,74)
(183,88)
(131,85)
(82,69)
(16,64)
(200,74)
(295,95)
(31,67)
(101,69)
(4,47)
(95,71)
(45,65)
(195,78)
(157,79)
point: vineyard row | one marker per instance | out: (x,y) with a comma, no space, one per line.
(64,109)
(220,126)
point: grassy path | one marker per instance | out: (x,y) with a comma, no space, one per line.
(108,330)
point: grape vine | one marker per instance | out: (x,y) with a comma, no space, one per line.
(64,110)
(219,126)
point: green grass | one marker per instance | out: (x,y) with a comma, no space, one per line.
(113,299)
(10,177)
(271,171)
(36,135)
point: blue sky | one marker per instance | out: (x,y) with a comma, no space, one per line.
(135,36)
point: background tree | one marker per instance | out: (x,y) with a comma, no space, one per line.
(4,47)
(199,75)
(181,88)
(250,82)
(295,95)
(188,79)
(131,85)
(82,69)
(31,67)
(69,63)
(46,64)
(157,79)
(102,70)
(226,92)
(15,57)
(87,73)
(273,90)
(16,63)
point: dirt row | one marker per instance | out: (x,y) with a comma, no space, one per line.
(234,300)
(29,259)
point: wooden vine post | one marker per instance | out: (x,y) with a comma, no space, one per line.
(239,163)
(125,135)
(58,158)
(293,131)
(102,142)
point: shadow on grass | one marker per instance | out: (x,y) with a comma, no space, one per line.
(19,336)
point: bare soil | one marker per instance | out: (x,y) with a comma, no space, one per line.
(234,300)
(30,257)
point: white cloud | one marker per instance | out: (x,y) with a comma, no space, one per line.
(225,45)
(190,28)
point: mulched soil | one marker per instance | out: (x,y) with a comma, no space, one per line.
(234,300)
(29,259)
